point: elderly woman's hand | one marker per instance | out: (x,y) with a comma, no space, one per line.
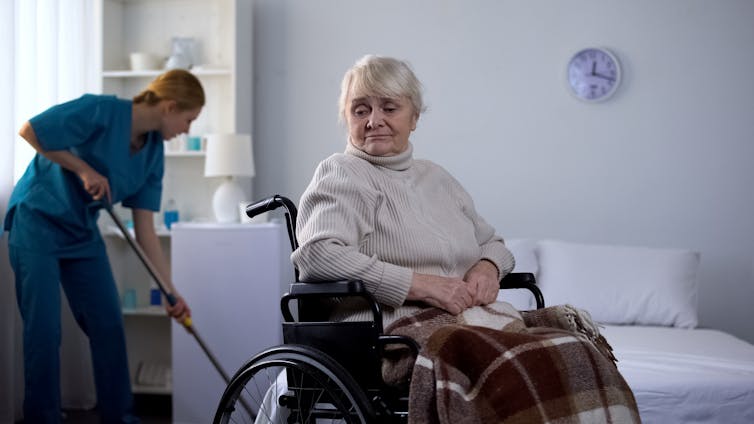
(483,282)
(450,294)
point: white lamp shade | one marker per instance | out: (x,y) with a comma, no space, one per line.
(229,155)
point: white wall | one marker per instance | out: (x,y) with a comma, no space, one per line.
(666,162)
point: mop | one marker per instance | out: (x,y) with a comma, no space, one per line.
(187,324)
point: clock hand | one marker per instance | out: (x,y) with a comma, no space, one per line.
(594,68)
(603,76)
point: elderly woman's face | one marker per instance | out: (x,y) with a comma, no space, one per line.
(380,126)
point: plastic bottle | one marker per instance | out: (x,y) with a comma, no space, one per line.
(155,296)
(171,214)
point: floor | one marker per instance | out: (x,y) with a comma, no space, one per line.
(91,417)
(151,409)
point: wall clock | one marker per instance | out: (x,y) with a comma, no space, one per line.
(594,74)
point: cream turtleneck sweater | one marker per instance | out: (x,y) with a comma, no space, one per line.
(380,219)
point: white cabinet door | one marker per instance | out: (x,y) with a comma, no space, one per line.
(232,276)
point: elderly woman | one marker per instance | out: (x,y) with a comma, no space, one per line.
(405,227)
(410,232)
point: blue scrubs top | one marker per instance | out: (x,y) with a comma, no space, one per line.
(49,209)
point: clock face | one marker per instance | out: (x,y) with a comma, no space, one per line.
(594,74)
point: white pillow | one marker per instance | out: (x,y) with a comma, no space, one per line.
(621,284)
(524,251)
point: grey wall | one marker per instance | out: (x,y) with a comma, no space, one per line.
(667,162)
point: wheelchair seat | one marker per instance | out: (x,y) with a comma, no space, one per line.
(325,370)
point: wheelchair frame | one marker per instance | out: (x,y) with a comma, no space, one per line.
(343,380)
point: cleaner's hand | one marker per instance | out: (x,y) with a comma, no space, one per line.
(180,311)
(95,184)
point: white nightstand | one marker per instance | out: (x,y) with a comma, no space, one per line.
(232,276)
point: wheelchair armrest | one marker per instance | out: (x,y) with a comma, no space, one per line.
(385,340)
(330,289)
(523,280)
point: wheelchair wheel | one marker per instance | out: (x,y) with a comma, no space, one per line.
(293,384)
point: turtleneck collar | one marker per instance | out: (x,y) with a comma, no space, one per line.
(399,162)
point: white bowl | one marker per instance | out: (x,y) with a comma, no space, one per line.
(144,61)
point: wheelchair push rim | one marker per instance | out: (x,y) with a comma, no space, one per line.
(293,384)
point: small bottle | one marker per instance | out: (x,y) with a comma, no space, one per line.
(171,214)
(155,297)
(129,299)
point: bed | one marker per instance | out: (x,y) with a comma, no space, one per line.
(645,300)
(686,375)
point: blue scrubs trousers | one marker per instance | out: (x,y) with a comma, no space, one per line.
(93,297)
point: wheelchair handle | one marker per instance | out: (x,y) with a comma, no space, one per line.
(272,203)
(269,204)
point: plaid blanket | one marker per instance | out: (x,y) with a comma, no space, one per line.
(494,364)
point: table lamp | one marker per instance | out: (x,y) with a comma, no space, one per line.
(228,156)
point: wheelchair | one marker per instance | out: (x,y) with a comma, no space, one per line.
(325,371)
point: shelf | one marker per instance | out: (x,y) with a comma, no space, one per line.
(113,230)
(151,390)
(146,311)
(186,154)
(154,72)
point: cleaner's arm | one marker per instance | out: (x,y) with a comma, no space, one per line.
(150,244)
(94,183)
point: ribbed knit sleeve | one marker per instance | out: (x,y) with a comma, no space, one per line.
(492,245)
(336,215)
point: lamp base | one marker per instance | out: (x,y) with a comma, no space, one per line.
(225,201)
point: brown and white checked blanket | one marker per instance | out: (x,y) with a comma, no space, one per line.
(493,364)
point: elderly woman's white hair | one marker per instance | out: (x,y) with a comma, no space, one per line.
(380,76)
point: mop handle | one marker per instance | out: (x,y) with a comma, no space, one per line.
(171,298)
(143,257)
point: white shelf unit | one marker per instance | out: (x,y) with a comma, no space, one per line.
(222,32)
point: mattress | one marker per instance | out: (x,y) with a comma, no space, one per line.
(686,375)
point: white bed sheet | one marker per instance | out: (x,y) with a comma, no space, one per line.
(686,375)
